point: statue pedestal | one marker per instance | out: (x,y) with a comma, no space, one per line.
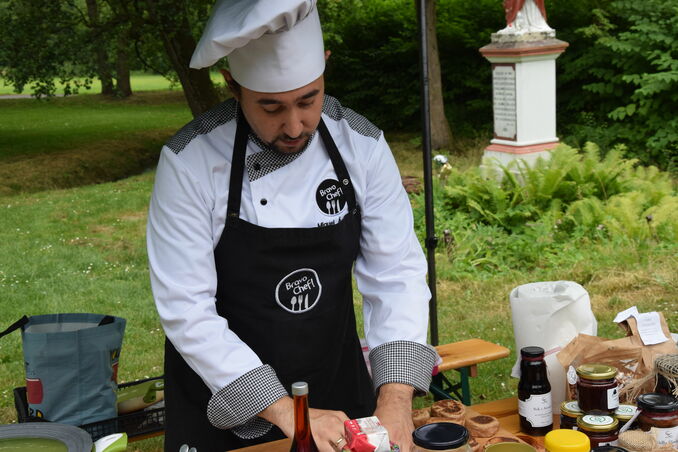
(523,96)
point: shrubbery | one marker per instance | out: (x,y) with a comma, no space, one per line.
(500,217)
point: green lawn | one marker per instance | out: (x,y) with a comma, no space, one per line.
(140,82)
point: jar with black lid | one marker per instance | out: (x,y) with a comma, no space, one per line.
(601,429)
(441,436)
(624,413)
(609,449)
(597,389)
(659,414)
(534,393)
(569,412)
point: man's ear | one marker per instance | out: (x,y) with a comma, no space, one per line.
(327,54)
(228,78)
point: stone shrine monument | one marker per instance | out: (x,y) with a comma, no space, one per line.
(523,57)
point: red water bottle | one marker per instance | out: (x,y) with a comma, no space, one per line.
(303,439)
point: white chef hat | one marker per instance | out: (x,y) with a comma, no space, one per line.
(272,45)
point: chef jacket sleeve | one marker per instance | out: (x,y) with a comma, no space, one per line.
(391,275)
(181,246)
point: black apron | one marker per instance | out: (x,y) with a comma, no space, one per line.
(287,293)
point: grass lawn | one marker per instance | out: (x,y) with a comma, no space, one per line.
(83,250)
(140,82)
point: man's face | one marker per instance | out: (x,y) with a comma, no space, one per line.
(285,121)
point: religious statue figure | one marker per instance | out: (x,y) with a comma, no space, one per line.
(525,16)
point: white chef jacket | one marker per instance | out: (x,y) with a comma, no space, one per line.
(187,217)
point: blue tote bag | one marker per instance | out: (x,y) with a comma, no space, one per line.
(71,365)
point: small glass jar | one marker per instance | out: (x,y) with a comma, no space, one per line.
(597,390)
(624,413)
(569,412)
(564,440)
(660,413)
(602,430)
(441,436)
(609,449)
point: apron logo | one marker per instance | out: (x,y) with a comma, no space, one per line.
(299,291)
(330,197)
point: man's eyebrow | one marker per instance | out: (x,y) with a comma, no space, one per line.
(266,101)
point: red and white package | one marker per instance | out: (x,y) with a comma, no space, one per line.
(366,435)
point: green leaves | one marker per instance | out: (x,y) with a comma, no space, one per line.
(502,217)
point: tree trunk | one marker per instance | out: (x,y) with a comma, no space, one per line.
(441,134)
(175,32)
(103,68)
(124,86)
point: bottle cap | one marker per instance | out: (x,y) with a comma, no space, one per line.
(596,371)
(597,423)
(531,352)
(299,388)
(565,440)
(440,436)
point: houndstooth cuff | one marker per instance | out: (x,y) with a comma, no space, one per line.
(236,406)
(403,362)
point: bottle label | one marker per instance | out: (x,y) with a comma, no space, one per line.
(612,398)
(666,436)
(537,410)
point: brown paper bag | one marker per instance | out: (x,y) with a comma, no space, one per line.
(633,359)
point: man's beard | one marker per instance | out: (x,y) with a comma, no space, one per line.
(279,146)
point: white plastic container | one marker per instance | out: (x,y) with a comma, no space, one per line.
(550,314)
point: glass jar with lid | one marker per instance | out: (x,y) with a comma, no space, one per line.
(441,436)
(569,412)
(564,440)
(602,430)
(624,413)
(659,415)
(597,389)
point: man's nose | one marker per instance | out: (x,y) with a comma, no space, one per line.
(293,126)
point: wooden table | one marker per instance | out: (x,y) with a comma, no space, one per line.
(506,410)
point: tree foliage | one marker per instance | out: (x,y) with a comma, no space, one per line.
(631,70)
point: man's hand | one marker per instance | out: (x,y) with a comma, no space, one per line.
(394,410)
(327,426)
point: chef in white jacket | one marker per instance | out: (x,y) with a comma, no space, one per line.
(263,209)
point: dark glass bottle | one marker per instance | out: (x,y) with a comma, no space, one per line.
(534,393)
(303,439)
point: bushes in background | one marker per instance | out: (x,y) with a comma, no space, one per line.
(522,217)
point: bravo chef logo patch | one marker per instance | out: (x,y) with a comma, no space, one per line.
(299,291)
(330,197)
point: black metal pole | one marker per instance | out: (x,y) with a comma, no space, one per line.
(431,239)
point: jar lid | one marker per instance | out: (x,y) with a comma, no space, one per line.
(597,423)
(596,371)
(654,401)
(531,352)
(566,440)
(625,412)
(570,408)
(440,436)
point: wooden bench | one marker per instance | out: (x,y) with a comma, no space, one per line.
(464,357)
